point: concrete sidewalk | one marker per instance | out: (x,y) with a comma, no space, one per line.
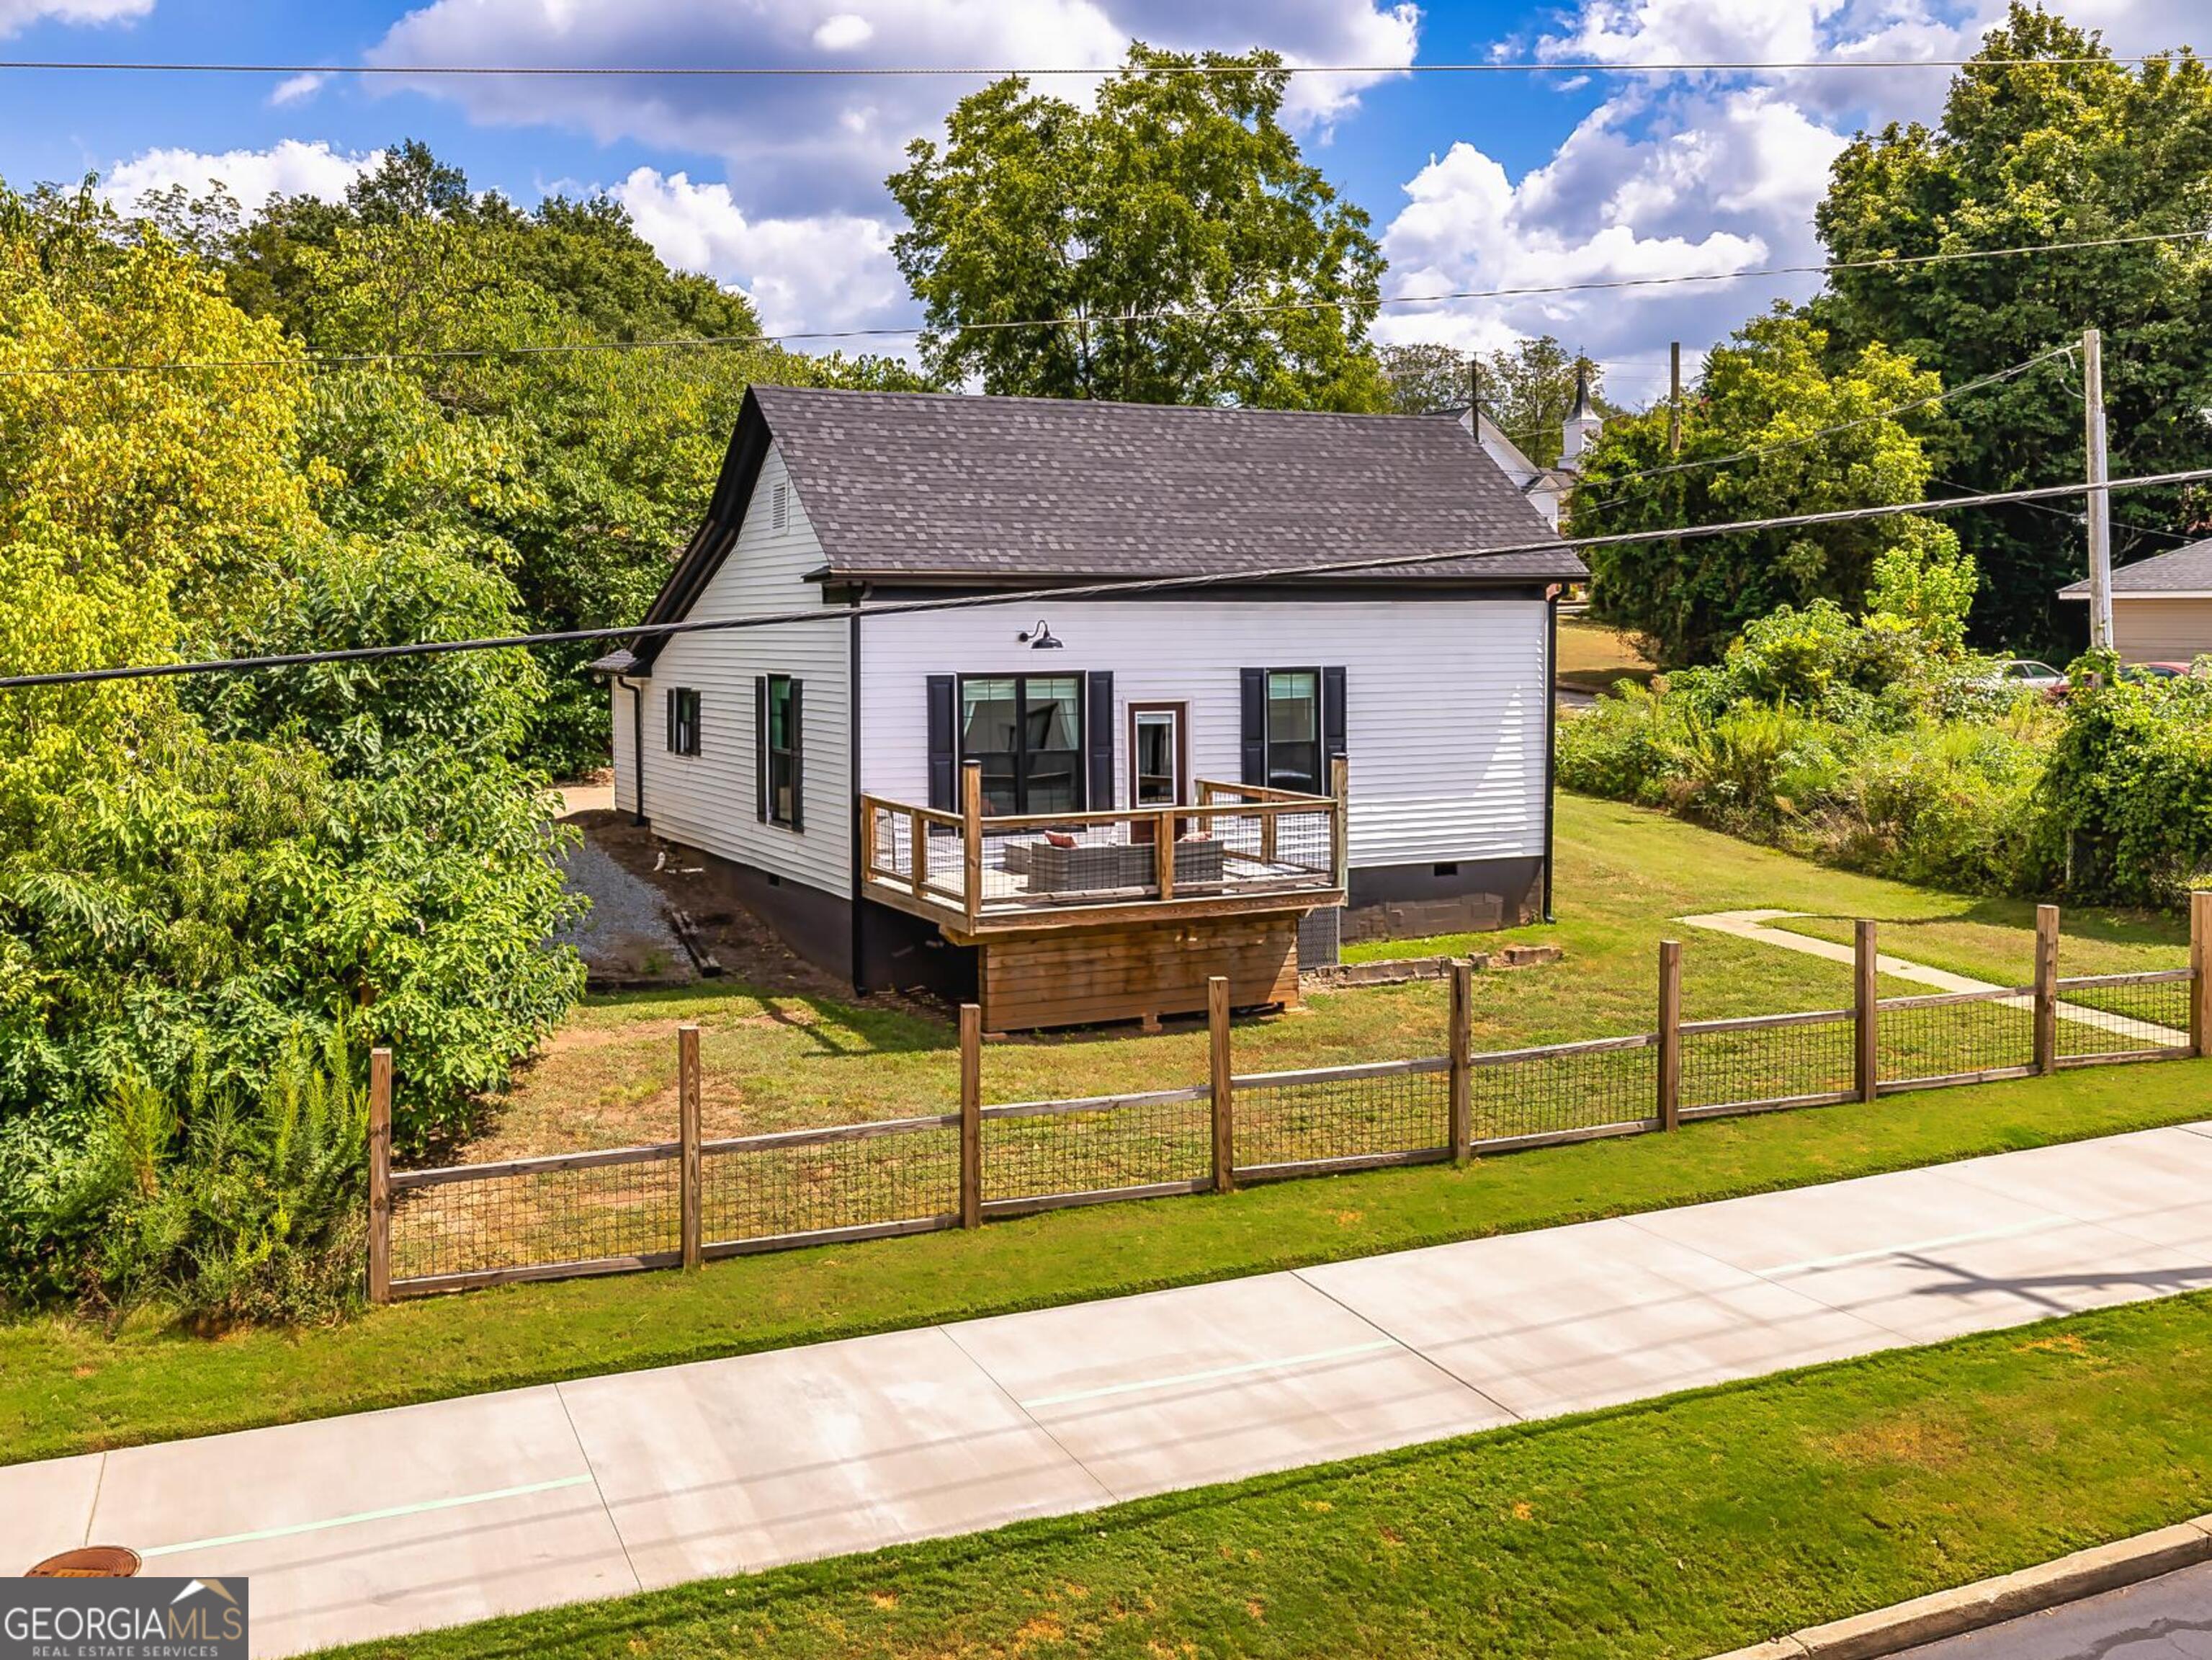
(389,1522)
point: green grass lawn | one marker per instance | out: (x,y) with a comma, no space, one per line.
(1594,658)
(1670,1529)
(772,1061)
(66,1386)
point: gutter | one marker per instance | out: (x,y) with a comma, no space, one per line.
(636,743)
(1551,735)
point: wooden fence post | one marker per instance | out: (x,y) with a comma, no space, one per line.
(687,1130)
(379,1176)
(1866,1012)
(2200,963)
(2046,988)
(971,838)
(1225,1088)
(971,1116)
(1462,1046)
(1670,1034)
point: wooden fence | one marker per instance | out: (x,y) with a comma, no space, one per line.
(683,1203)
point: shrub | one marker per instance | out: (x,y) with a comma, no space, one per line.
(233,1205)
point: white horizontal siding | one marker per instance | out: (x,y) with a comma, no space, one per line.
(710,800)
(1446,700)
(625,745)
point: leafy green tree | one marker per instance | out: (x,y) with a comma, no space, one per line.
(1196,256)
(1529,390)
(2031,152)
(1423,378)
(1823,442)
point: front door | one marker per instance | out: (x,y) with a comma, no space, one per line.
(1159,755)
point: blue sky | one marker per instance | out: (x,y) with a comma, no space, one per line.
(1473,182)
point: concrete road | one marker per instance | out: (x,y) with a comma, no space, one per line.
(2167,1619)
(390,1521)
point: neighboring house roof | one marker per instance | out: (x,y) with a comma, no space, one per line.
(2185,570)
(938,485)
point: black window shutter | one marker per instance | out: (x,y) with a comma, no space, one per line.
(1332,720)
(1255,725)
(672,719)
(944,743)
(1098,716)
(797,735)
(760,747)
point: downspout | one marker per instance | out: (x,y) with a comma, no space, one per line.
(636,743)
(1551,733)
(852,779)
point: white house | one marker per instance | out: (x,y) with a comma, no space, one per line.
(1545,488)
(884,532)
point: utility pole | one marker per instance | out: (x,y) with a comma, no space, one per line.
(1674,400)
(2100,498)
(1474,393)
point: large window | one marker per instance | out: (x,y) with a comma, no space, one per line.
(780,744)
(683,721)
(1294,759)
(1027,730)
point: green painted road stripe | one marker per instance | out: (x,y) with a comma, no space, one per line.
(424,1509)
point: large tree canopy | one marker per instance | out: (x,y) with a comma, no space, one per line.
(1137,222)
(2025,154)
(1825,441)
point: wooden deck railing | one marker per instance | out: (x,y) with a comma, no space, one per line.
(1234,841)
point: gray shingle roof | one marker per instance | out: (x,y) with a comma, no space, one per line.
(2185,570)
(940,485)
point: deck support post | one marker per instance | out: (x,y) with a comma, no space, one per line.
(971,838)
(1340,789)
(380,1174)
(1224,1085)
(971,1116)
(2046,988)
(2200,964)
(1866,1010)
(1463,1070)
(918,832)
(1670,1035)
(689,1187)
(1164,855)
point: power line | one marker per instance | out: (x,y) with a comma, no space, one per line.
(1107,589)
(1962,390)
(1162,313)
(865,72)
(2079,520)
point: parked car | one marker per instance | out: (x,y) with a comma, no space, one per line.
(2028,674)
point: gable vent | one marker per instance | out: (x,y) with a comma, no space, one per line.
(779,507)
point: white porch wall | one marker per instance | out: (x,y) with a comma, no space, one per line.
(1445,700)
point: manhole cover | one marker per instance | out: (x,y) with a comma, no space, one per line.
(92,1562)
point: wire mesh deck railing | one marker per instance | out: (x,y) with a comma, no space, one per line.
(1234,841)
(693,1200)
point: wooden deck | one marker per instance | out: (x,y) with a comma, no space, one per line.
(1099,916)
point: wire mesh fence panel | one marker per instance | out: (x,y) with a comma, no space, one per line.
(1922,1038)
(765,1187)
(2124,1014)
(1139,1141)
(1554,1091)
(1300,1118)
(533,1218)
(1732,1065)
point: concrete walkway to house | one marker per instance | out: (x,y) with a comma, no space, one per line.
(394,1521)
(1753,925)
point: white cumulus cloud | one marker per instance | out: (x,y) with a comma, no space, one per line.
(18,14)
(843,32)
(823,271)
(289,167)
